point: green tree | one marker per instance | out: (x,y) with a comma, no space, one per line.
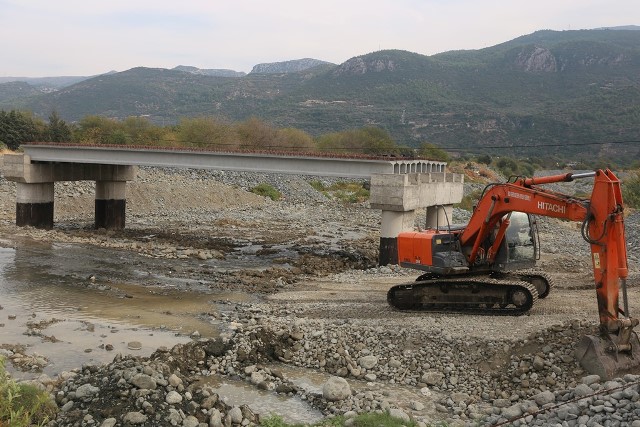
(291,139)
(368,140)
(57,130)
(433,152)
(204,132)
(98,130)
(256,134)
(484,158)
(17,127)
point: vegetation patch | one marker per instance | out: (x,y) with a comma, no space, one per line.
(267,190)
(348,192)
(370,419)
(23,404)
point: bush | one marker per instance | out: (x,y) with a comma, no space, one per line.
(350,192)
(267,190)
(23,404)
(631,190)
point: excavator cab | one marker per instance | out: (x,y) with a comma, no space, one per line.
(519,249)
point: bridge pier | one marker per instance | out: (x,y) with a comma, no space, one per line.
(34,205)
(398,196)
(35,189)
(111,204)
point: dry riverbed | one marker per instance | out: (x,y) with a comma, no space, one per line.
(218,306)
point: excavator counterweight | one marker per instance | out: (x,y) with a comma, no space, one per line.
(487,265)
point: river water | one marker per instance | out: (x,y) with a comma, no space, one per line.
(71,303)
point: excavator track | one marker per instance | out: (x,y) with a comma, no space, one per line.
(543,282)
(476,295)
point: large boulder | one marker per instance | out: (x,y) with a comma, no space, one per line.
(336,388)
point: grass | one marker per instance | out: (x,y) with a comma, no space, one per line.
(370,419)
(348,192)
(23,404)
(267,190)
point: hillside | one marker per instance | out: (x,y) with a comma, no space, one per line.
(549,87)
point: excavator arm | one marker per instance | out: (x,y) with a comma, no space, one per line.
(602,227)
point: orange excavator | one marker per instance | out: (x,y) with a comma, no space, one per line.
(486,265)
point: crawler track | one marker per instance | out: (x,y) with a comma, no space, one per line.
(477,295)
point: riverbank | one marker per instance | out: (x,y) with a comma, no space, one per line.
(313,306)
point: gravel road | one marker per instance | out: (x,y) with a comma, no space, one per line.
(324,311)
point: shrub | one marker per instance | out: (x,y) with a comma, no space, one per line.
(267,190)
(23,404)
(631,190)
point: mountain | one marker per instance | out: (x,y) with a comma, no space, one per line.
(293,66)
(14,91)
(210,72)
(552,88)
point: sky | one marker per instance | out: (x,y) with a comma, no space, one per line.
(87,37)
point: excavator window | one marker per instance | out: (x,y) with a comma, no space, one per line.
(520,238)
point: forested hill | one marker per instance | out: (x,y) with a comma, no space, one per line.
(549,87)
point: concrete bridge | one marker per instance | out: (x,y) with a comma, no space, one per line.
(398,186)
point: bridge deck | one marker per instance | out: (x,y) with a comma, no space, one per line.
(304,164)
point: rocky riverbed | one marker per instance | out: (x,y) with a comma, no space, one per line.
(318,310)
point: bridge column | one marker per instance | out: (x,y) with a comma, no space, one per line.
(399,195)
(393,223)
(34,205)
(439,216)
(110,206)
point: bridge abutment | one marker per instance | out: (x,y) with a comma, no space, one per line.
(398,196)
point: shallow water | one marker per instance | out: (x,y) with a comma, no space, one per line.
(89,297)
(69,302)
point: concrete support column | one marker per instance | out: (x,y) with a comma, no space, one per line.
(393,223)
(34,205)
(111,202)
(437,216)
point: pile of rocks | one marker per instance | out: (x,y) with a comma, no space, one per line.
(590,403)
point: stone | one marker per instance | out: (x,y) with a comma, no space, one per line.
(591,379)
(416,406)
(394,363)
(174,380)
(370,377)
(67,406)
(257,378)
(432,378)
(134,345)
(538,363)
(209,401)
(368,362)
(109,422)
(143,381)
(173,397)
(400,414)
(216,419)
(135,418)
(235,414)
(86,390)
(582,390)
(190,421)
(336,388)
(512,411)
(501,403)
(544,398)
